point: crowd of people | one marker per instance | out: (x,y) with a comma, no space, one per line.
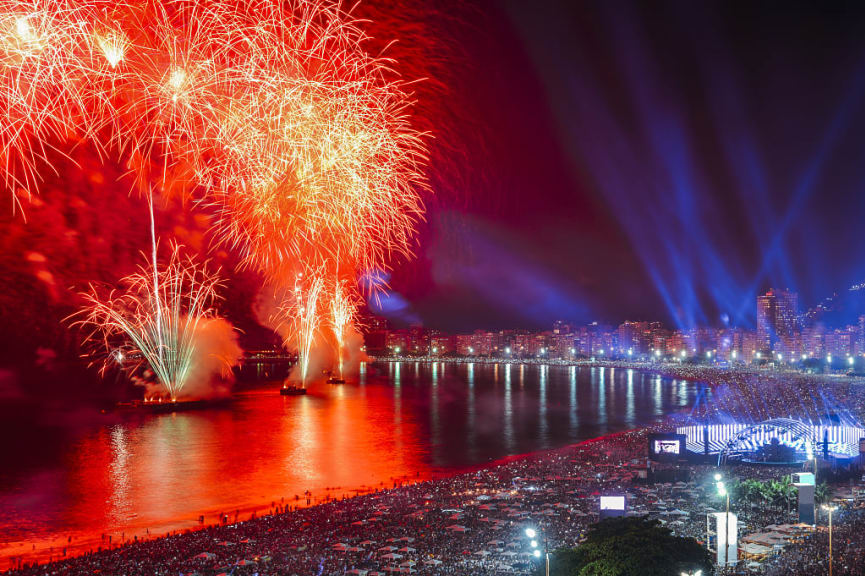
(811,555)
(473,523)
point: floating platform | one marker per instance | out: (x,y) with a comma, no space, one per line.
(167,406)
(292,391)
(335,380)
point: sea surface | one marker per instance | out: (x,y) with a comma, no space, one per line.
(137,474)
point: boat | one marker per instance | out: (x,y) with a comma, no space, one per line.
(292,391)
(335,380)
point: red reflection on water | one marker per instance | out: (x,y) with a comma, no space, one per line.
(158,473)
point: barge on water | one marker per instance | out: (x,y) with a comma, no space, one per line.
(292,391)
(161,406)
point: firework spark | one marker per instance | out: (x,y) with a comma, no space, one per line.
(153,318)
(271,113)
(343,307)
(300,310)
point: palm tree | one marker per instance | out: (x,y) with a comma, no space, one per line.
(822,493)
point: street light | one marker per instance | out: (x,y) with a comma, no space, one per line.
(830,509)
(531,533)
(697,573)
(722,491)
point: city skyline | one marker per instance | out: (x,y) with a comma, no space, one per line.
(782,335)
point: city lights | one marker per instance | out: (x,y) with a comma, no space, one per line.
(434,288)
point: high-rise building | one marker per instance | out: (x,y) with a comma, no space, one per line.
(776,319)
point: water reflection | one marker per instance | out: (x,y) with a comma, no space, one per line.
(134,472)
(509,412)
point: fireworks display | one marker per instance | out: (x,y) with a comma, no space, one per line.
(301,309)
(273,115)
(154,318)
(270,115)
(343,307)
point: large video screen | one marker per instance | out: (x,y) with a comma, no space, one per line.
(612,502)
(667,447)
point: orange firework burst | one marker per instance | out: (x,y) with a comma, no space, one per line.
(272,112)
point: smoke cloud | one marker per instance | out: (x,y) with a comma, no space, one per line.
(210,377)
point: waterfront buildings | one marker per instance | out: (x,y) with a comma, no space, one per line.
(781,336)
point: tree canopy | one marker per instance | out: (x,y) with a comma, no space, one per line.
(631,547)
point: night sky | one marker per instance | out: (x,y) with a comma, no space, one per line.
(616,160)
(588,161)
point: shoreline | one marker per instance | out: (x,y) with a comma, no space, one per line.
(43,558)
(620,444)
(467,522)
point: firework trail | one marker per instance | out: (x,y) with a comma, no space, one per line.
(153,319)
(343,306)
(300,310)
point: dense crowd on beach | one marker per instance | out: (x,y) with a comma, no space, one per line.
(475,523)
(472,523)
